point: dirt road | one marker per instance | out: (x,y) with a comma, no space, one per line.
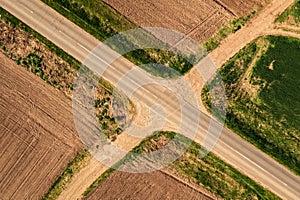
(256,27)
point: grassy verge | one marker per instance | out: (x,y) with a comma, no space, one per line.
(37,54)
(263,107)
(72,168)
(233,26)
(98,181)
(291,15)
(58,51)
(41,57)
(209,172)
(103,22)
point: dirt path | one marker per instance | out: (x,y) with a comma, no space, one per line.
(94,169)
(282,33)
(283,30)
(256,27)
(284,27)
(83,180)
(262,24)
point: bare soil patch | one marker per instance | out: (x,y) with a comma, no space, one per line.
(38,136)
(242,8)
(153,185)
(198,19)
(37,58)
(29,52)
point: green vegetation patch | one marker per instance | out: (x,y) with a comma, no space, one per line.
(263,102)
(103,22)
(37,54)
(58,51)
(232,27)
(209,172)
(72,168)
(291,15)
(98,181)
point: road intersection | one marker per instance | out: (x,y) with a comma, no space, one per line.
(229,147)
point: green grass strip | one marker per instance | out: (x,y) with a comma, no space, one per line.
(61,182)
(291,13)
(103,22)
(209,172)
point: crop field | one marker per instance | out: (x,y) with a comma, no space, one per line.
(200,20)
(35,146)
(197,19)
(263,106)
(209,175)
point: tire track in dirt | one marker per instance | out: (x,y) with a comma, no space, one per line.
(225,8)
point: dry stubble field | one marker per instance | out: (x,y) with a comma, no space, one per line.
(36,130)
(199,19)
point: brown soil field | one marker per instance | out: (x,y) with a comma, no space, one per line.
(197,19)
(25,49)
(18,45)
(38,136)
(153,185)
(241,8)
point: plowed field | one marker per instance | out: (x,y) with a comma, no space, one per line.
(152,186)
(199,19)
(37,134)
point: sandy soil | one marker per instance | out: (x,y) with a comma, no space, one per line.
(153,185)
(82,180)
(38,137)
(198,19)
